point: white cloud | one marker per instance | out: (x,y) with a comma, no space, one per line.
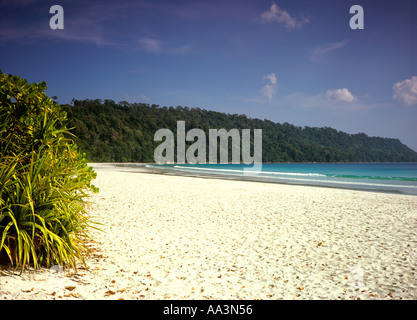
(269,89)
(275,14)
(182,50)
(405,92)
(342,95)
(144,97)
(271,77)
(317,52)
(151,45)
(321,103)
(157,46)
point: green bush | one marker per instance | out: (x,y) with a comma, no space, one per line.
(44,180)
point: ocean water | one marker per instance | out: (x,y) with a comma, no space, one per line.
(398,177)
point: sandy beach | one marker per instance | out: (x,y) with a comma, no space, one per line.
(176,237)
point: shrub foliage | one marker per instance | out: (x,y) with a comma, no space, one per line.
(44,180)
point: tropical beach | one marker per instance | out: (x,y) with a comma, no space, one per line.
(208,150)
(178,237)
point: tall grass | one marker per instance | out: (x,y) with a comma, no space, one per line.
(44,180)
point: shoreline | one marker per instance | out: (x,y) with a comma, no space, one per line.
(142,167)
(175,237)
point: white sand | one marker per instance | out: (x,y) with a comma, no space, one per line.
(173,237)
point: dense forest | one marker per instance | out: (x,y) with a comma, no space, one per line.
(124,132)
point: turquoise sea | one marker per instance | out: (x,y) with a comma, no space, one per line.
(398,177)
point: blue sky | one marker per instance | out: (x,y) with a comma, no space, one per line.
(292,61)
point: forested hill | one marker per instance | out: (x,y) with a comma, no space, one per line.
(124,132)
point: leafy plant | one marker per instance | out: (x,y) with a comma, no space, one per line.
(44,180)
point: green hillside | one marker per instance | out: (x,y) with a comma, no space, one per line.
(124,132)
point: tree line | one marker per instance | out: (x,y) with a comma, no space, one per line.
(124,132)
